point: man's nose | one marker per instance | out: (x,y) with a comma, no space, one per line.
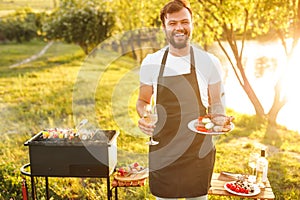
(179,26)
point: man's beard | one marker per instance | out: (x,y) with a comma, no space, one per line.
(178,45)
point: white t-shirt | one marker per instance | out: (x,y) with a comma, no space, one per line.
(208,69)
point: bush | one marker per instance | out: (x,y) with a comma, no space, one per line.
(85,23)
(23,25)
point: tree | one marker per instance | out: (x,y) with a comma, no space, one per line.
(138,20)
(83,22)
(241,20)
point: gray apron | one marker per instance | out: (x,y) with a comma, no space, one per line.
(181,165)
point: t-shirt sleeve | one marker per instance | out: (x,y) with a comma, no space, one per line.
(150,69)
(146,71)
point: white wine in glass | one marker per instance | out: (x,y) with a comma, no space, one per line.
(252,164)
(150,116)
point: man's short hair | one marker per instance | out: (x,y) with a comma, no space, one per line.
(172,7)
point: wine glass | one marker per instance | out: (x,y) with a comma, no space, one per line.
(252,164)
(150,116)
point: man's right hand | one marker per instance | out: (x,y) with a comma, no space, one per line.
(145,127)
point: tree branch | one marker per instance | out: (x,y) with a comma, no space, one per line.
(244,32)
(231,63)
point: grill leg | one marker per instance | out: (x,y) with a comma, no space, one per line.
(116,193)
(32,187)
(108,188)
(47,187)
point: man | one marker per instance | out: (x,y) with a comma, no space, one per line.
(184,82)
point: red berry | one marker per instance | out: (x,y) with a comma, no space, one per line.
(233,188)
(121,171)
(136,165)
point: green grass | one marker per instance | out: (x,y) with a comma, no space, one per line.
(63,86)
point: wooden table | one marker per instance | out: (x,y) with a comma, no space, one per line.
(219,180)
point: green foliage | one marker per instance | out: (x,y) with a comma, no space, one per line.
(10,180)
(279,15)
(23,25)
(136,14)
(85,23)
(10,160)
(243,18)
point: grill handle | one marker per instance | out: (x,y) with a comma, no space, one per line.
(32,139)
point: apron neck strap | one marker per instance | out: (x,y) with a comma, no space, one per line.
(164,60)
(192,59)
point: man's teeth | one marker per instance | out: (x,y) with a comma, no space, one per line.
(179,34)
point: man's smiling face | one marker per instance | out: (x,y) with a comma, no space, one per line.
(178,28)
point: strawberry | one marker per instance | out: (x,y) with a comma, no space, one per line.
(233,187)
(242,190)
(228,185)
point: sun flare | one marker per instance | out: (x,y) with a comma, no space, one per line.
(292,75)
(288,72)
(290,88)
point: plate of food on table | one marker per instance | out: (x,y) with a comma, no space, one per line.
(130,175)
(212,124)
(134,171)
(242,188)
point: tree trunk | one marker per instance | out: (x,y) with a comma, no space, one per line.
(259,110)
(240,72)
(131,41)
(85,48)
(123,48)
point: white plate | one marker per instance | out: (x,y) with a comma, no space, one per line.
(191,126)
(256,191)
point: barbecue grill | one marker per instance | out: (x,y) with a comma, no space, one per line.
(56,157)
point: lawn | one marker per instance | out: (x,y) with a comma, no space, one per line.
(63,86)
